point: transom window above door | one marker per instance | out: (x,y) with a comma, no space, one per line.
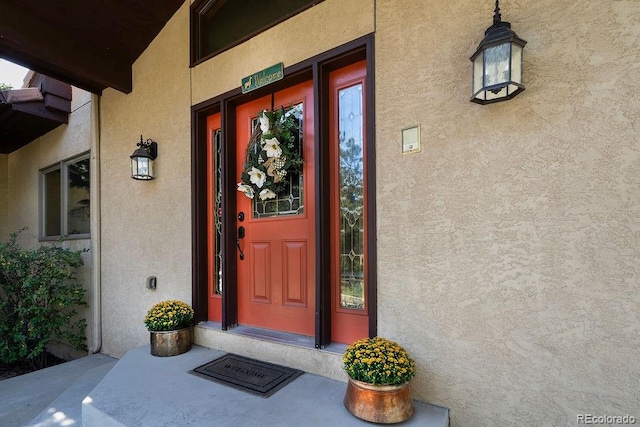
(218,25)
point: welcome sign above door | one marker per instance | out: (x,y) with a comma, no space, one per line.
(263,78)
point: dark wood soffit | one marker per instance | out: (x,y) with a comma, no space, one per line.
(23,122)
(89,44)
(18,128)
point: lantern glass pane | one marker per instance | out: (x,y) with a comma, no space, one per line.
(134,166)
(477,74)
(512,88)
(496,64)
(143,166)
(493,94)
(516,63)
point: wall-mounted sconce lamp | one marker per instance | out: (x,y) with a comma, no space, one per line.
(497,63)
(142,159)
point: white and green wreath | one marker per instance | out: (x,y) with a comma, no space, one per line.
(272,154)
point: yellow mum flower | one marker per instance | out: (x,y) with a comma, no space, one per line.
(385,361)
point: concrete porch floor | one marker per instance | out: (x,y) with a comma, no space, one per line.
(143,390)
(52,396)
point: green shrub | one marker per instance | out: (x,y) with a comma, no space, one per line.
(39,299)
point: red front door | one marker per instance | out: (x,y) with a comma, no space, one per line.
(276,275)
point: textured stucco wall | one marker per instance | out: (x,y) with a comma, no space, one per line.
(146,225)
(23,171)
(509,247)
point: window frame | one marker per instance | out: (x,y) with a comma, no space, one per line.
(201,7)
(63,167)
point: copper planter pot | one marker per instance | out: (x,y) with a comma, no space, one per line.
(171,343)
(384,404)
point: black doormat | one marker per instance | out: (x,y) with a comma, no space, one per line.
(250,375)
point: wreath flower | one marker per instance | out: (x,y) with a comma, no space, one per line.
(246,189)
(267,194)
(272,154)
(257,177)
(272,148)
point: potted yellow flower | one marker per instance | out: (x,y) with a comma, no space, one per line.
(379,374)
(170,327)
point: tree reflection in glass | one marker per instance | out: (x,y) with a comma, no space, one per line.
(351,185)
(78,198)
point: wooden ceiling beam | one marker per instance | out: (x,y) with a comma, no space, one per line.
(47,49)
(91,45)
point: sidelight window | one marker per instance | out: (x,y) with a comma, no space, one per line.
(351,197)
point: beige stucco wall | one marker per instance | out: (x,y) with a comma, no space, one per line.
(22,169)
(508,248)
(146,225)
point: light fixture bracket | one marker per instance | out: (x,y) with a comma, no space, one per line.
(150,146)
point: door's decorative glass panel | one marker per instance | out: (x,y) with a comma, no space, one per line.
(290,201)
(351,205)
(217,206)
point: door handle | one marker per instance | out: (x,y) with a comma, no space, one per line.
(240,236)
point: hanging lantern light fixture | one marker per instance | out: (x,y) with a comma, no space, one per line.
(142,160)
(497,63)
